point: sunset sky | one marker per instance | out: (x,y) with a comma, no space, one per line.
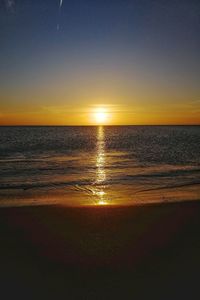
(62,61)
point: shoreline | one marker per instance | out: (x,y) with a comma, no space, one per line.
(59,203)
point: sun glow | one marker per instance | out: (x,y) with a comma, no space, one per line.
(100,116)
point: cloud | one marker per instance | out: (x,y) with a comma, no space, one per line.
(10,5)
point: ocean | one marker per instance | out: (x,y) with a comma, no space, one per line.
(99,165)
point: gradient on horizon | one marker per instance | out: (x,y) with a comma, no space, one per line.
(138,60)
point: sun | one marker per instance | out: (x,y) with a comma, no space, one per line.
(100,116)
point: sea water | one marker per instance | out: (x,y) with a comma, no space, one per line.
(105,165)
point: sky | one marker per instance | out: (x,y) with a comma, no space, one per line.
(136,60)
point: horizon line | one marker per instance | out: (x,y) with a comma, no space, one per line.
(92,125)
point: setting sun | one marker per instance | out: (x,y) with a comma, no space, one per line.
(100,116)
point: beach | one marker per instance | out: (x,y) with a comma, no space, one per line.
(99,150)
(100,252)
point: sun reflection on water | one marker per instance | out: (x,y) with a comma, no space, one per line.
(99,192)
(100,159)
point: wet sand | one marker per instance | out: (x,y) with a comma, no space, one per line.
(143,252)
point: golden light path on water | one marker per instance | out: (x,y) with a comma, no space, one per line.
(99,192)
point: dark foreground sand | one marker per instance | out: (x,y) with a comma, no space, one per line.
(149,252)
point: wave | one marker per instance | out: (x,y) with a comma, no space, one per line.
(169,187)
(27,186)
(168,173)
(88,185)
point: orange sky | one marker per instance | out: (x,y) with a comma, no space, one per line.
(115,115)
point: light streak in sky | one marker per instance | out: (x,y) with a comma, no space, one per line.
(60,6)
(10,5)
